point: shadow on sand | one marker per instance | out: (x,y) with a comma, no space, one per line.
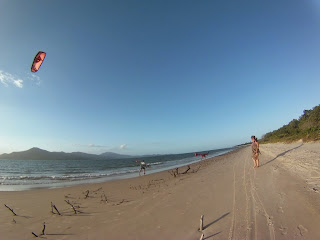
(218,219)
(280,155)
(212,235)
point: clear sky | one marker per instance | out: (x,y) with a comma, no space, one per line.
(144,77)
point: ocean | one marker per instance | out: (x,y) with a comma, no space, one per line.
(17,175)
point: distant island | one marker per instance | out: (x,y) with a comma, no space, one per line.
(306,128)
(40,154)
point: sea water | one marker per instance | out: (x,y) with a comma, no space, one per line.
(16,175)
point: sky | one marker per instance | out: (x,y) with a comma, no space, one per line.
(154,77)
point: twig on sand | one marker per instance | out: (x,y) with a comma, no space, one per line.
(104,198)
(186,170)
(97,190)
(202,236)
(201,223)
(11,210)
(87,195)
(176,173)
(54,207)
(194,171)
(75,210)
(34,234)
(44,228)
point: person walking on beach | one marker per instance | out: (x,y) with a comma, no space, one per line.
(143,166)
(255,151)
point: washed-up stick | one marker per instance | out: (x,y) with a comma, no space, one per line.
(104,198)
(202,236)
(75,211)
(11,210)
(54,207)
(98,190)
(201,223)
(186,170)
(194,171)
(34,234)
(44,228)
(87,195)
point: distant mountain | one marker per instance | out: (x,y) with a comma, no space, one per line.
(40,154)
(114,155)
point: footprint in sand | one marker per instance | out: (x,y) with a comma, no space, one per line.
(280,210)
(283,230)
(302,230)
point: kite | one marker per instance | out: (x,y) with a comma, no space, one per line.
(38,59)
(203,155)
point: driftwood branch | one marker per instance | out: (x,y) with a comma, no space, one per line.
(201,223)
(175,172)
(87,195)
(54,207)
(11,210)
(44,228)
(186,170)
(34,234)
(194,171)
(75,211)
(104,198)
(202,236)
(97,190)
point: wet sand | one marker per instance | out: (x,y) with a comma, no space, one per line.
(279,200)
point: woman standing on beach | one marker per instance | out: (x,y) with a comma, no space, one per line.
(255,151)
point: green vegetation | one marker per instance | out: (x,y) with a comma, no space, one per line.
(306,128)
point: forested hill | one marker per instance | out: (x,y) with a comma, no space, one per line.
(307,128)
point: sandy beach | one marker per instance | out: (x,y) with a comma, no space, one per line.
(280,200)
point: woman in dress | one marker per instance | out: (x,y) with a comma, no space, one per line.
(255,151)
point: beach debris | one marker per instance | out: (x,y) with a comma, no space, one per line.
(87,194)
(186,170)
(34,234)
(202,236)
(104,198)
(97,190)
(11,210)
(54,207)
(201,223)
(75,210)
(44,228)
(176,173)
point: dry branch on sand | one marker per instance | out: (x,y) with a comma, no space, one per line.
(54,207)
(176,173)
(11,210)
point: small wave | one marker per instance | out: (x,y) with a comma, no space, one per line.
(72,177)
(156,163)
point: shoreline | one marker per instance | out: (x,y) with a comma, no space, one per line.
(96,180)
(237,201)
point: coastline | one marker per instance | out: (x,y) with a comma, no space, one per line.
(83,173)
(237,202)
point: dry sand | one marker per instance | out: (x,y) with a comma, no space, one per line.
(280,200)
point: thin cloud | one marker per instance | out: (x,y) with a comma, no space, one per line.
(96,146)
(123,146)
(90,145)
(8,79)
(34,78)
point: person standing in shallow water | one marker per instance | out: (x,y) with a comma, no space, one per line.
(255,151)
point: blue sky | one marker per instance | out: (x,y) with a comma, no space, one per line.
(142,77)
